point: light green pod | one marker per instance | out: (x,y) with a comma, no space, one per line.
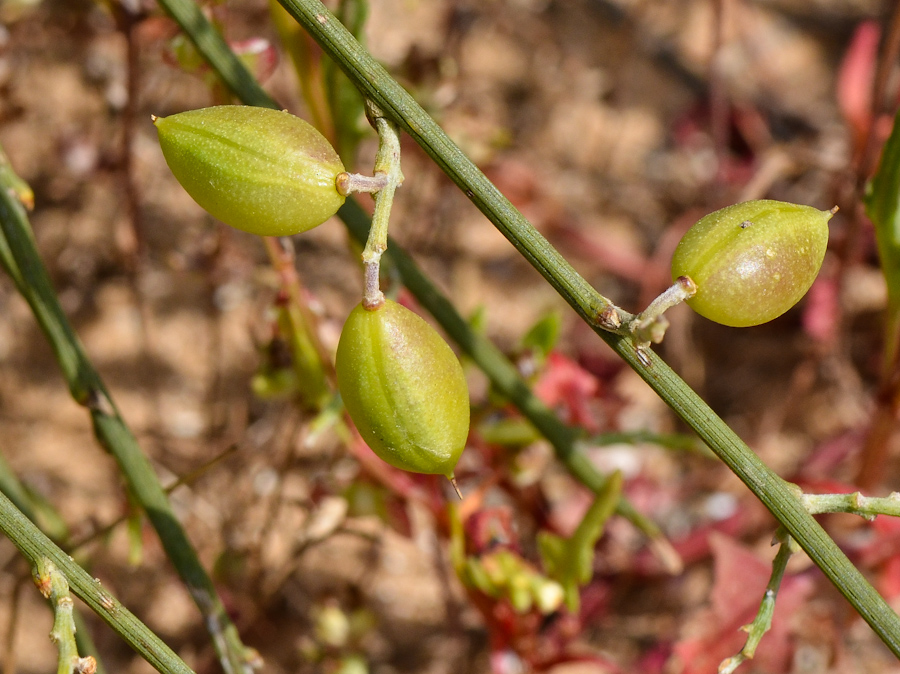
(752,261)
(404,389)
(262,171)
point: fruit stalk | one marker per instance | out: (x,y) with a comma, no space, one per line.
(387,164)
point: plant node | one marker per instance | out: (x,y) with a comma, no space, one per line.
(650,325)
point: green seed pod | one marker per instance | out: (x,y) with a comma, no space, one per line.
(262,171)
(404,389)
(753,261)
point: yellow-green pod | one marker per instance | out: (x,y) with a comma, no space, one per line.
(752,261)
(404,389)
(261,171)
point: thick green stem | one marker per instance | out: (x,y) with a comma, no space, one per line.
(52,584)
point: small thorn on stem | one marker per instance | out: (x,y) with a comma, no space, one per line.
(452,479)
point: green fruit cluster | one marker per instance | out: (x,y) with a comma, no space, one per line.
(261,171)
(404,389)
(753,261)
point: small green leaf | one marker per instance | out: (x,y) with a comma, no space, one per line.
(542,336)
(882,202)
(570,561)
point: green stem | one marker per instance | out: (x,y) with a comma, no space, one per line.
(854,504)
(387,163)
(52,524)
(55,589)
(763,620)
(20,258)
(35,546)
(378,86)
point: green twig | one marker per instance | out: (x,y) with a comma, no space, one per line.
(854,504)
(378,86)
(52,524)
(55,589)
(35,546)
(763,620)
(387,167)
(20,259)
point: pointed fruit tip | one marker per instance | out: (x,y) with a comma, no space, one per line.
(452,479)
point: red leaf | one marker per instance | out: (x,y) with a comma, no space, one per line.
(566,384)
(821,315)
(856,76)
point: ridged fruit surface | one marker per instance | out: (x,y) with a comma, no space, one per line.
(262,171)
(752,261)
(404,389)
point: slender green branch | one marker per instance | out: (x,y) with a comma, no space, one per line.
(20,258)
(387,163)
(51,523)
(854,504)
(763,620)
(35,546)
(52,584)
(378,86)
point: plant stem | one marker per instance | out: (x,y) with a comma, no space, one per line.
(51,523)
(651,325)
(387,164)
(763,620)
(35,546)
(52,584)
(378,86)
(854,504)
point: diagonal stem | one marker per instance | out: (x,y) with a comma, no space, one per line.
(377,85)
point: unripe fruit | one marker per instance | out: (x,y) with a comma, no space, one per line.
(404,389)
(753,261)
(262,171)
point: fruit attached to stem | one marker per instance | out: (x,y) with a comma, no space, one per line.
(753,261)
(262,171)
(404,389)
